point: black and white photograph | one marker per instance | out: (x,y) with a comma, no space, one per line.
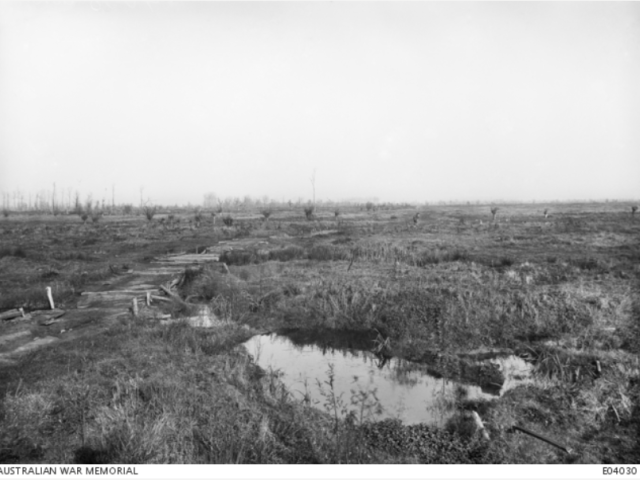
(391,233)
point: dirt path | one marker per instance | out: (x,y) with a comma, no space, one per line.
(97,309)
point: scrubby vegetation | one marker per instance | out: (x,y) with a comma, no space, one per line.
(559,291)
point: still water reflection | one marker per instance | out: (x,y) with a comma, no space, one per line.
(400,389)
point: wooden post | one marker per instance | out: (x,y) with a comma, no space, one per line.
(479,425)
(50,297)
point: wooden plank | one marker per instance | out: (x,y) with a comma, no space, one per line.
(118,292)
(10,314)
(198,258)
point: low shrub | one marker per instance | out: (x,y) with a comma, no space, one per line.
(18,252)
(587,263)
(239,257)
(327,253)
(291,252)
(441,256)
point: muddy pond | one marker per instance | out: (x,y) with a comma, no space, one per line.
(353,379)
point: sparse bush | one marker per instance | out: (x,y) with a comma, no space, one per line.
(286,254)
(149,212)
(227,220)
(244,274)
(84,216)
(96,216)
(239,257)
(587,263)
(209,284)
(506,261)
(441,256)
(336,212)
(634,209)
(308,212)
(13,252)
(5,212)
(494,212)
(198,218)
(369,206)
(266,213)
(327,253)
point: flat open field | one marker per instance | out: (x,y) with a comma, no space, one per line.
(447,305)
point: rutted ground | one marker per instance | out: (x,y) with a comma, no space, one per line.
(450,292)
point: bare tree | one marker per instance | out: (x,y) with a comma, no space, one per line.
(494,212)
(198,218)
(216,212)
(308,212)
(313,185)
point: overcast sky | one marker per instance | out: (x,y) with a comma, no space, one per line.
(403,101)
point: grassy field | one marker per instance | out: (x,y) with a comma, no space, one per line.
(561,292)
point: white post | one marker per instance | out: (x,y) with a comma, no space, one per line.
(148,299)
(479,425)
(51,304)
(135,307)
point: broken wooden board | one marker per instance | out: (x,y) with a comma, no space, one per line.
(46,317)
(162,271)
(191,258)
(323,233)
(109,299)
(10,314)
(110,293)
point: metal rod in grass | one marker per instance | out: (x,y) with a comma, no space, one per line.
(539,437)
